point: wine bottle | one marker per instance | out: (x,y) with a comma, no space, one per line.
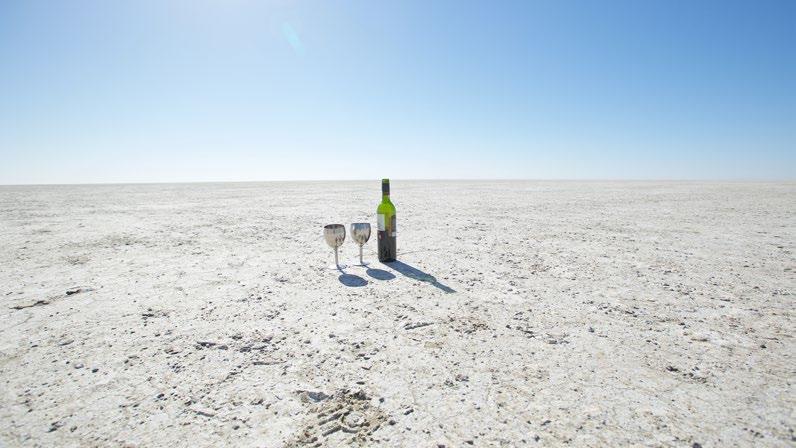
(385,215)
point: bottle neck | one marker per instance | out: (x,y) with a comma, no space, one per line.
(385,197)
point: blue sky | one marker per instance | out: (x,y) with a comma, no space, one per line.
(214,90)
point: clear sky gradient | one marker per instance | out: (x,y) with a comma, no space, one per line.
(215,90)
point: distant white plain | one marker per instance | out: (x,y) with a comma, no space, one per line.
(551,313)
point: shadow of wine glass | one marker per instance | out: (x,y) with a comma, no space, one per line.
(352,280)
(380,274)
(416,274)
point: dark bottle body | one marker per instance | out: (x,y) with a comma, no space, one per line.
(385,221)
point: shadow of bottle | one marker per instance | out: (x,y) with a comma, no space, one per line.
(416,274)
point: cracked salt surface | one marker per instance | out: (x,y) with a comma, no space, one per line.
(539,313)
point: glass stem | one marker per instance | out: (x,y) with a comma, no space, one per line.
(360,256)
(336,263)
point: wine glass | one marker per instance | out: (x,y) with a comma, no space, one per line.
(360,232)
(334,235)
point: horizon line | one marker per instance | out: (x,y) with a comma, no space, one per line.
(514,179)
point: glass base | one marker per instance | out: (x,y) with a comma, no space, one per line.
(338,267)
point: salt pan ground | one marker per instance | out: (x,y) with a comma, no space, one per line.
(519,314)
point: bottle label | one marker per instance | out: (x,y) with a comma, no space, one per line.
(381,223)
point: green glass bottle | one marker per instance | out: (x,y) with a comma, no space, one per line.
(385,219)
